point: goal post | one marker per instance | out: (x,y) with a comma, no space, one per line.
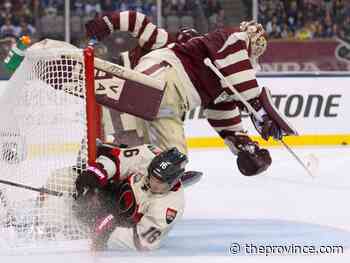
(92,114)
(49,123)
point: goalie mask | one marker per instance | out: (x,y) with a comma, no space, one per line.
(165,170)
(257,39)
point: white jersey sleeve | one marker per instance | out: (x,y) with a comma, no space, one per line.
(136,159)
(119,163)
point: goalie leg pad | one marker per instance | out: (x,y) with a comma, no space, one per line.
(129,96)
(130,91)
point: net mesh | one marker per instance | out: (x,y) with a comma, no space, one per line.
(42,140)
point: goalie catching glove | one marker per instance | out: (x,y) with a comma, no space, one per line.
(274,124)
(251,159)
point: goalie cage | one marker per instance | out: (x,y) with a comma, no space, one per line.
(48,117)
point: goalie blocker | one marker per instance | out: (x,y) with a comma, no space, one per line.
(274,123)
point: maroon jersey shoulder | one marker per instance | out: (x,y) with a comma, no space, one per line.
(192,55)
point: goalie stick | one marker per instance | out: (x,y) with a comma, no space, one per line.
(311,165)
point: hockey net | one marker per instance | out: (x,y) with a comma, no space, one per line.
(47,132)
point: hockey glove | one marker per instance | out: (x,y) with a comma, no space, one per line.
(100,27)
(268,128)
(120,211)
(274,124)
(253,163)
(251,159)
(102,230)
(91,178)
(87,201)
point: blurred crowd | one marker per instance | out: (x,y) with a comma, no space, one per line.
(45,18)
(297,19)
(193,13)
(305,19)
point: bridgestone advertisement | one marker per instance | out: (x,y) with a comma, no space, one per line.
(313,105)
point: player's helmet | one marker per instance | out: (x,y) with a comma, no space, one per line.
(186,33)
(168,166)
(257,37)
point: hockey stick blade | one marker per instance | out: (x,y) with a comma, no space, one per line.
(311,162)
(191,177)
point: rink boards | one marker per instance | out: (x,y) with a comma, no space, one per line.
(317,106)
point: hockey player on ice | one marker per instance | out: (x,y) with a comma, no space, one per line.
(131,198)
(190,83)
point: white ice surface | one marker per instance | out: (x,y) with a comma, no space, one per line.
(284,206)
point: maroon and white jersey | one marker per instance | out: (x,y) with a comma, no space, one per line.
(148,35)
(228,50)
